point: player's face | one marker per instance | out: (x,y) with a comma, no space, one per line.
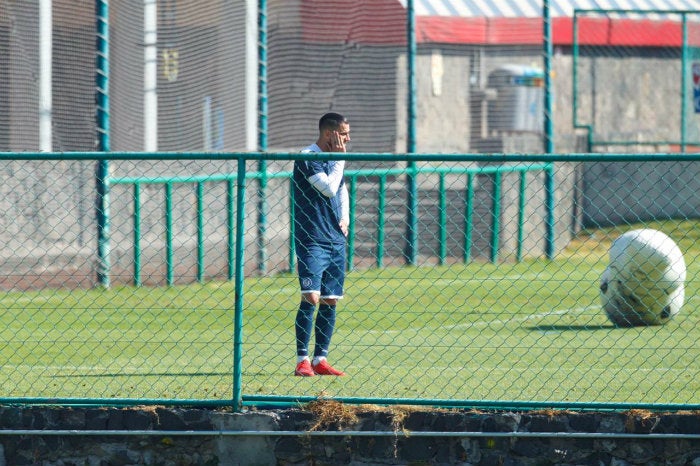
(344,132)
(336,140)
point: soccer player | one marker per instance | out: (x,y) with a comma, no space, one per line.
(321,216)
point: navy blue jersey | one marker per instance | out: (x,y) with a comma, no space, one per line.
(316,217)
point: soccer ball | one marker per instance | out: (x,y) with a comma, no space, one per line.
(644,284)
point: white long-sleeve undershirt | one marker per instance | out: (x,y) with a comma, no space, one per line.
(329,184)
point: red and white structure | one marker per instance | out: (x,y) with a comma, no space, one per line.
(504,22)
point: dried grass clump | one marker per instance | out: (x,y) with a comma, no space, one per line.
(639,414)
(331,413)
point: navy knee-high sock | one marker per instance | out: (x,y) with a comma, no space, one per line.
(325,323)
(303,327)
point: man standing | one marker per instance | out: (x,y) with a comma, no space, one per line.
(321,216)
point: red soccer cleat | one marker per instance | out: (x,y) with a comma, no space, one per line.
(323,368)
(304,369)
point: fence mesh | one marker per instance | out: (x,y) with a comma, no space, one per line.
(502,298)
(484,314)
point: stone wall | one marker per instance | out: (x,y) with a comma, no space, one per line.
(375,435)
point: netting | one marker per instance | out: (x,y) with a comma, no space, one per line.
(177,75)
(183,76)
(352,58)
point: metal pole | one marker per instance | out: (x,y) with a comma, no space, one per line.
(548,130)
(411,251)
(381,207)
(262,135)
(102,123)
(238,287)
(150,76)
(548,51)
(169,261)
(684,79)
(521,215)
(496,217)
(351,226)
(45,75)
(468,214)
(442,220)
(137,234)
(200,232)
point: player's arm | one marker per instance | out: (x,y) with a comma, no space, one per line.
(345,209)
(329,184)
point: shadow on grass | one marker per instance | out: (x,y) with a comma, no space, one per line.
(574,328)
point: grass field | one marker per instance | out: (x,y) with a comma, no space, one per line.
(531,331)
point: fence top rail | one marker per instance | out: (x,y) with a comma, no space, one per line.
(355,156)
(352,174)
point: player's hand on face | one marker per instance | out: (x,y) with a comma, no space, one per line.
(337,142)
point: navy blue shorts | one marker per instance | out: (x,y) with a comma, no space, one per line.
(322,269)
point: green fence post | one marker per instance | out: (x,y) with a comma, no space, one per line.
(411,251)
(549,129)
(137,234)
(169,233)
(550,205)
(200,232)
(380,220)
(262,135)
(521,215)
(548,51)
(468,213)
(102,123)
(238,287)
(442,220)
(351,226)
(496,216)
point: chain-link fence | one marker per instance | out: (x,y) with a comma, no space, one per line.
(485,315)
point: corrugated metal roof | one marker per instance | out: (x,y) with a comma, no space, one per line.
(533,8)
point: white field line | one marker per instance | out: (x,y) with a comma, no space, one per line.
(498,321)
(514,319)
(524,318)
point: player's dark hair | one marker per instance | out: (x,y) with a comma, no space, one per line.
(331,121)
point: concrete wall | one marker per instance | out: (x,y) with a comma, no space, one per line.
(396,440)
(629,192)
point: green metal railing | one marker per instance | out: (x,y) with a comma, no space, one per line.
(353,176)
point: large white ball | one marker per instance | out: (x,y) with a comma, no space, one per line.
(644,284)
